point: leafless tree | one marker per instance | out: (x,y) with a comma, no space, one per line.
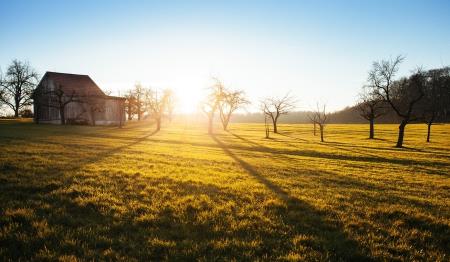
(320,117)
(170,102)
(94,106)
(130,104)
(266,126)
(157,104)
(313,120)
(370,107)
(230,102)
(17,86)
(211,103)
(275,107)
(54,97)
(402,95)
(436,102)
(138,93)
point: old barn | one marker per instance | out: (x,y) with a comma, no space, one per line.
(62,98)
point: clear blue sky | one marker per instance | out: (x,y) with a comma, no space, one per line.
(320,50)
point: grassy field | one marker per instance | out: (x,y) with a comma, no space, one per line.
(103,193)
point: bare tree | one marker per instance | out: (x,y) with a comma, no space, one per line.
(211,103)
(17,86)
(231,101)
(138,93)
(94,106)
(402,95)
(370,107)
(157,105)
(313,120)
(275,107)
(436,101)
(169,101)
(130,104)
(266,126)
(320,117)
(54,97)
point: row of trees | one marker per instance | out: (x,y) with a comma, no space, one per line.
(226,102)
(424,96)
(147,102)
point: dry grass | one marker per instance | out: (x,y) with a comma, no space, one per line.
(103,193)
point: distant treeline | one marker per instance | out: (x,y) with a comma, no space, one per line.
(348,115)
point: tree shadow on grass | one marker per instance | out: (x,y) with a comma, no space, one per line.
(302,218)
(366,157)
(291,136)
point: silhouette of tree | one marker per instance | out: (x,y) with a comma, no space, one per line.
(436,102)
(170,102)
(139,93)
(320,117)
(211,103)
(17,85)
(402,95)
(157,104)
(370,106)
(230,102)
(275,107)
(130,104)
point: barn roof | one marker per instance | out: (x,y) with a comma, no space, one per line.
(81,85)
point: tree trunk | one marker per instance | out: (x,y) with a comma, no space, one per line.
(314,129)
(62,116)
(429,131)
(226,121)
(321,133)
(372,130)
(210,125)
(16,112)
(225,124)
(275,129)
(158,124)
(401,133)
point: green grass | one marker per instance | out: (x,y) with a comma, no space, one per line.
(103,193)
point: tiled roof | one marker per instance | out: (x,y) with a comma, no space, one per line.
(80,85)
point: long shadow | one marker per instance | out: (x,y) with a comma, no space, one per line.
(127,235)
(248,141)
(317,154)
(293,137)
(303,218)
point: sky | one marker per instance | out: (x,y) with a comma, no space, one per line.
(319,51)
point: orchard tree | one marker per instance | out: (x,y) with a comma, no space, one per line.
(130,104)
(402,95)
(157,104)
(230,102)
(212,101)
(370,107)
(436,102)
(169,103)
(274,107)
(17,85)
(138,94)
(320,118)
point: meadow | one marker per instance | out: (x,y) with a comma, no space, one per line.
(73,193)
